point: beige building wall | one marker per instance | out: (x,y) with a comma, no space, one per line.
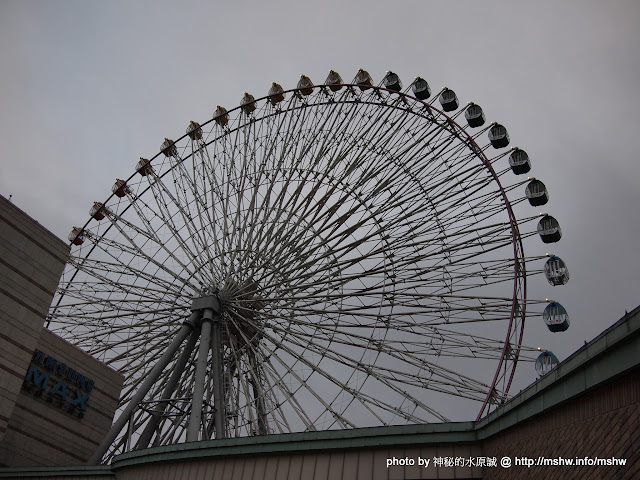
(48,415)
(31,262)
(352,464)
(47,430)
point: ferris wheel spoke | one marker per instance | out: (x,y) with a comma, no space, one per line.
(115,250)
(274,405)
(317,180)
(381,346)
(208,174)
(199,229)
(148,343)
(252,218)
(376,374)
(145,285)
(149,232)
(102,269)
(169,220)
(280,383)
(344,423)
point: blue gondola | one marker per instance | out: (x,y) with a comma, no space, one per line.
(546,362)
(556,317)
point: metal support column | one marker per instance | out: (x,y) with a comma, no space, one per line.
(153,375)
(178,370)
(258,394)
(218,378)
(195,419)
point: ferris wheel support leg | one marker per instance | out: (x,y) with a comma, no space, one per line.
(258,396)
(195,419)
(218,373)
(156,416)
(155,372)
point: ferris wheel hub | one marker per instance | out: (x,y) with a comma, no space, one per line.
(207,302)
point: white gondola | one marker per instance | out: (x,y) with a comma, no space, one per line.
(120,188)
(97,211)
(448,99)
(536,193)
(334,80)
(420,88)
(76,236)
(276,93)
(194,131)
(221,117)
(549,229)
(556,271)
(392,82)
(519,161)
(143,167)
(305,85)
(498,136)
(168,147)
(248,103)
(474,115)
(363,80)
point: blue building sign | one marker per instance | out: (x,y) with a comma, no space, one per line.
(62,383)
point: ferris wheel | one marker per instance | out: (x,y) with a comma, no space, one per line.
(326,257)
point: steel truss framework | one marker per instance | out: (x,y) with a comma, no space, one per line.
(359,253)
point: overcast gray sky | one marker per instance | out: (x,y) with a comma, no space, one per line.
(88,87)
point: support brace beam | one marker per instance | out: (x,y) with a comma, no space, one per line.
(178,371)
(218,377)
(152,376)
(195,419)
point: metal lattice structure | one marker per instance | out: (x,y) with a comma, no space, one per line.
(330,256)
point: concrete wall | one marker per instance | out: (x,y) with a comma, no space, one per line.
(46,429)
(31,262)
(39,423)
(603,423)
(65,473)
(352,464)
